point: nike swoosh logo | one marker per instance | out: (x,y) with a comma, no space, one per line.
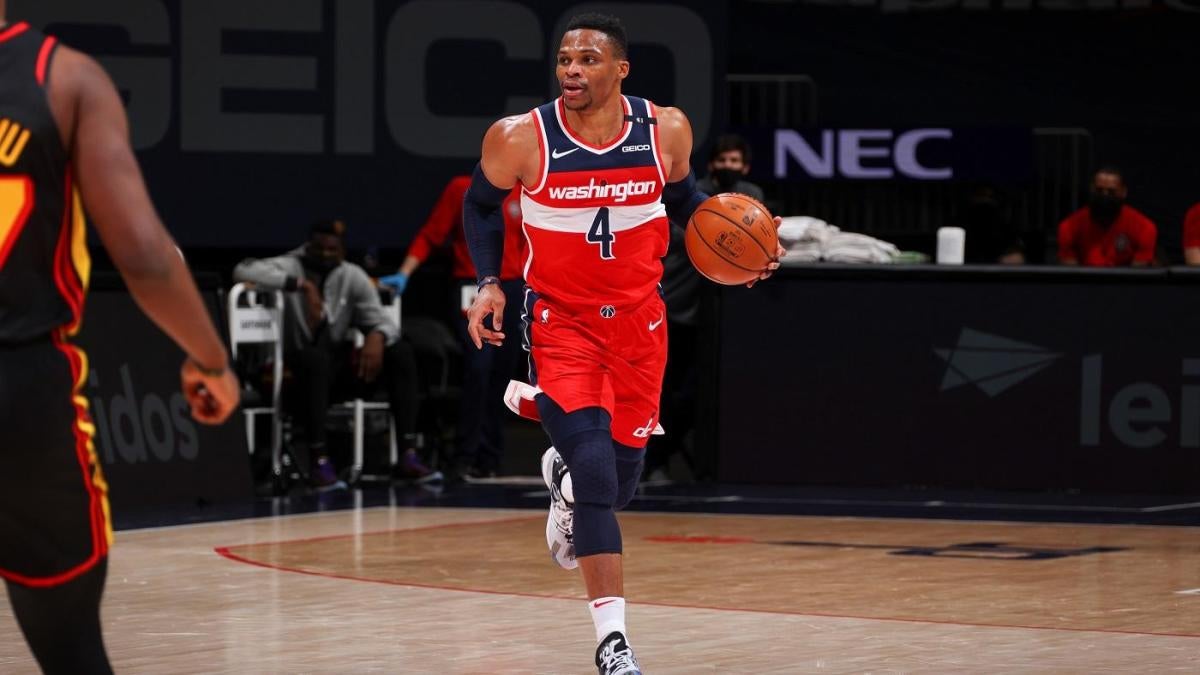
(655,324)
(598,605)
(556,154)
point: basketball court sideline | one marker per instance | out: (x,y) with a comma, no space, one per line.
(401,589)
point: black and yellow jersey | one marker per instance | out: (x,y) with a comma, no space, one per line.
(44,263)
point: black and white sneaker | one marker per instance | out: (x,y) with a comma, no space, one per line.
(614,656)
(560,523)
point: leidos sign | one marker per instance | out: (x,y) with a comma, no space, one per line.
(1138,415)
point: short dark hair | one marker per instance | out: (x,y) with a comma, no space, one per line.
(327,226)
(1112,169)
(608,24)
(729,143)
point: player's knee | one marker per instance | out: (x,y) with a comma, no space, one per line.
(629,464)
(596,530)
(589,458)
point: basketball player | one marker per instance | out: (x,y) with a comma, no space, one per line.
(601,174)
(64,148)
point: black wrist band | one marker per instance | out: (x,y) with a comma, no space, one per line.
(207,372)
(485,281)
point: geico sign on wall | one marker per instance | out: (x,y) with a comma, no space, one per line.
(207,70)
(252,117)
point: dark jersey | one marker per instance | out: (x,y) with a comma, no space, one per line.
(44,262)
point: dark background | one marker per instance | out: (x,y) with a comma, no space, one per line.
(1123,73)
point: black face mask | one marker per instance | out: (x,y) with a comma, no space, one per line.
(319,264)
(725,179)
(1104,209)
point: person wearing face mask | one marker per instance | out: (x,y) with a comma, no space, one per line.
(1107,232)
(728,165)
(326,297)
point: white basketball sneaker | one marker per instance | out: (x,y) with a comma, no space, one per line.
(614,656)
(560,523)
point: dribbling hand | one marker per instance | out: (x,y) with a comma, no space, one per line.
(489,300)
(780,251)
(212,398)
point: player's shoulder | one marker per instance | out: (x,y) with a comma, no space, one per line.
(76,70)
(513,129)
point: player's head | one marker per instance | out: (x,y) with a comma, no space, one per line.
(325,249)
(593,58)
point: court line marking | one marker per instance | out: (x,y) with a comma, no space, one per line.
(1190,591)
(225,552)
(933,503)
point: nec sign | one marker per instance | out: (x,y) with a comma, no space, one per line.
(864,154)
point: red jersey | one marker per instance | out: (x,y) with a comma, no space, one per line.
(446,221)
(1191,227)
(1130,239)
(595,222)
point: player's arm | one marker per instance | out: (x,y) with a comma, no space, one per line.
(88,108)
(680,194)
(508,148)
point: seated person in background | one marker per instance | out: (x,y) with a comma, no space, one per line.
(325,298)
(1107,232)
(1191,235)
(991,237)
(480,438)
(728,165)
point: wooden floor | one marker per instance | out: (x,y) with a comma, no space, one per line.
(425,590)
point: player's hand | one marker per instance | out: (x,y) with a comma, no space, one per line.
(490,300)
(212,398)
(370,359)
(780,251)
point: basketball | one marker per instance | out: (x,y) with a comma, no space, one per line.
(731,238)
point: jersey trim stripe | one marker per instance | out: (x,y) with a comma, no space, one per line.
(543,148)
(13,31)
(43,59)
(578,220)
(99,514)
(66,276)
(654,143)
(560,113)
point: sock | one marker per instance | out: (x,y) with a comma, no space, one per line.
(608,614)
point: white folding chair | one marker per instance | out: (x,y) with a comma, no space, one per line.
(358,407)
(259,321)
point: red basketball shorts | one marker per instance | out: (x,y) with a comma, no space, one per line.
(607,356)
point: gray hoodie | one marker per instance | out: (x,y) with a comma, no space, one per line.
(351,299)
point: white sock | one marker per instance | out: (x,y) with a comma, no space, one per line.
(608,614)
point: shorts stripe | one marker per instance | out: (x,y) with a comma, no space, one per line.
(99,514)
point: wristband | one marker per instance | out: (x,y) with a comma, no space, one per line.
(486,281)
(207,372)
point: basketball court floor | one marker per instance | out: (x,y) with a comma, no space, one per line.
(371,584)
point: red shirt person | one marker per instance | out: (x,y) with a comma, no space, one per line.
(1191,235)
(1107,232)
(445,223)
